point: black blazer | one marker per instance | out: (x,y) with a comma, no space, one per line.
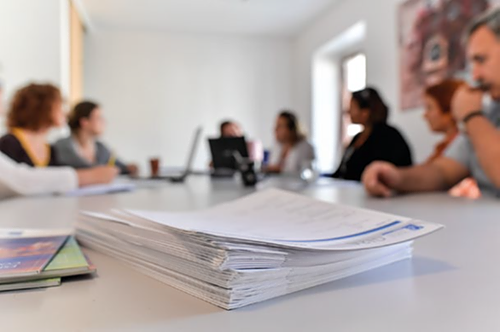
(385,143)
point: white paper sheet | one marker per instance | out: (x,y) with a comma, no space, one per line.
(277,216)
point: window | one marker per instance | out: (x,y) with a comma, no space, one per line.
(353,79)
(334,76)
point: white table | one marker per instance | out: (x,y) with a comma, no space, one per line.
(451,284)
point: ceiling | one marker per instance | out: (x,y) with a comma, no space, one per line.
(251,17)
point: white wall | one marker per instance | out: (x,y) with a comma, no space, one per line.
(33,43)
(155,88)
(380,46)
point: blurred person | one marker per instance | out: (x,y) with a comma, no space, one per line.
(82,149)
(293,152)
(438,99)
(377,141)
(230,129)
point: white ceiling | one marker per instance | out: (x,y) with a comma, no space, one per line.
(255,17)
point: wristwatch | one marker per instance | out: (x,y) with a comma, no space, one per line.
(462,125)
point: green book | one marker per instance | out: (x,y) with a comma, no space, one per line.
(69,257)
(30,284)
(69,261)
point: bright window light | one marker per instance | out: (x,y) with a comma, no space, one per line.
(353,130)
(353,79)
(355,68)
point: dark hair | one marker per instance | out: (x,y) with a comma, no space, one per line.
(32,107)
(81,111)
(443,93)
(369,99)
(293,125)
(224,124)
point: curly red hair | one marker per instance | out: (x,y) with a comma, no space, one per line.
(32,107)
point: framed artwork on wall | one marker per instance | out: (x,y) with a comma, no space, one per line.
(431,43)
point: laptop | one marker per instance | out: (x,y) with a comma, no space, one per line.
(223,152)
(181,175)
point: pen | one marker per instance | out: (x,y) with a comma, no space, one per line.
(112,160)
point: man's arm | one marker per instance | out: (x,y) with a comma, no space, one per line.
(485,139)
(481,132)
(382,179)
(442,174)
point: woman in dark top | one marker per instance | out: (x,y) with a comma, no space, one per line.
(35,110)
(377,141)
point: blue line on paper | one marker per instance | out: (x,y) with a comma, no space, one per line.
(349,236)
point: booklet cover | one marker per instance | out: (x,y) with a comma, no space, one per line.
(69,261)
(27,256)
(68,258)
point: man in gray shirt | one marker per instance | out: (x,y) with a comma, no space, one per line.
(476,152)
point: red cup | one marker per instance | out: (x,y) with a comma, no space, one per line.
(155,167)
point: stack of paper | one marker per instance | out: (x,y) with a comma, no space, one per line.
(28,260)
(265,245)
